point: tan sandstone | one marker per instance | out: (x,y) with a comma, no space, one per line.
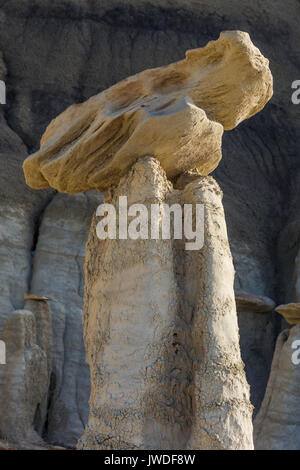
(160,321)
(175,113)
(291,312)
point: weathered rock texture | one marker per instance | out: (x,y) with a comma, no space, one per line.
(161,331)
(257,333)
(254,303)
(175,113)
(277,425)
(291,312)
(44,339)
(58,272)
(24,380)
(97,44)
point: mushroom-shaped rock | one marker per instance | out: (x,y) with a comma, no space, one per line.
(254,303)
(174,113)
(291,312)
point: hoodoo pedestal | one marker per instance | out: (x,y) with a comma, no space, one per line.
(161,330)
(160,319)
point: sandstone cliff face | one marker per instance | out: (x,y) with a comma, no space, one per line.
(99,43)
(161,331)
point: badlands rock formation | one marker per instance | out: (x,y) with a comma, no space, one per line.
(25,379)
(176,113)
(257,343)
(59,256)
(44,339)
(277,425)
(96,45)
(151,389)
(161,331)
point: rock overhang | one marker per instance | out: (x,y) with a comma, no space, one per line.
(176,113)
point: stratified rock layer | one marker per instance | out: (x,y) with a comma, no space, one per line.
(161,331)
(175,113)
(58,272)
(277,425)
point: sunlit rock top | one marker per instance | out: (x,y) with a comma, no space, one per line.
(176,113)
(291,312)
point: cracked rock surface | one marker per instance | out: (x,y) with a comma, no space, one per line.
(161,331)
(97,44)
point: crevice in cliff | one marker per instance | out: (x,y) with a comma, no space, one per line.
(51,390)
(37,223)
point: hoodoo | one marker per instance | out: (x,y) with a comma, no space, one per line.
(160,321)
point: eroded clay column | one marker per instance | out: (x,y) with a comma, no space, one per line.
(161,331)
(24,380)
(221,413)
(160,321)
(130,314)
